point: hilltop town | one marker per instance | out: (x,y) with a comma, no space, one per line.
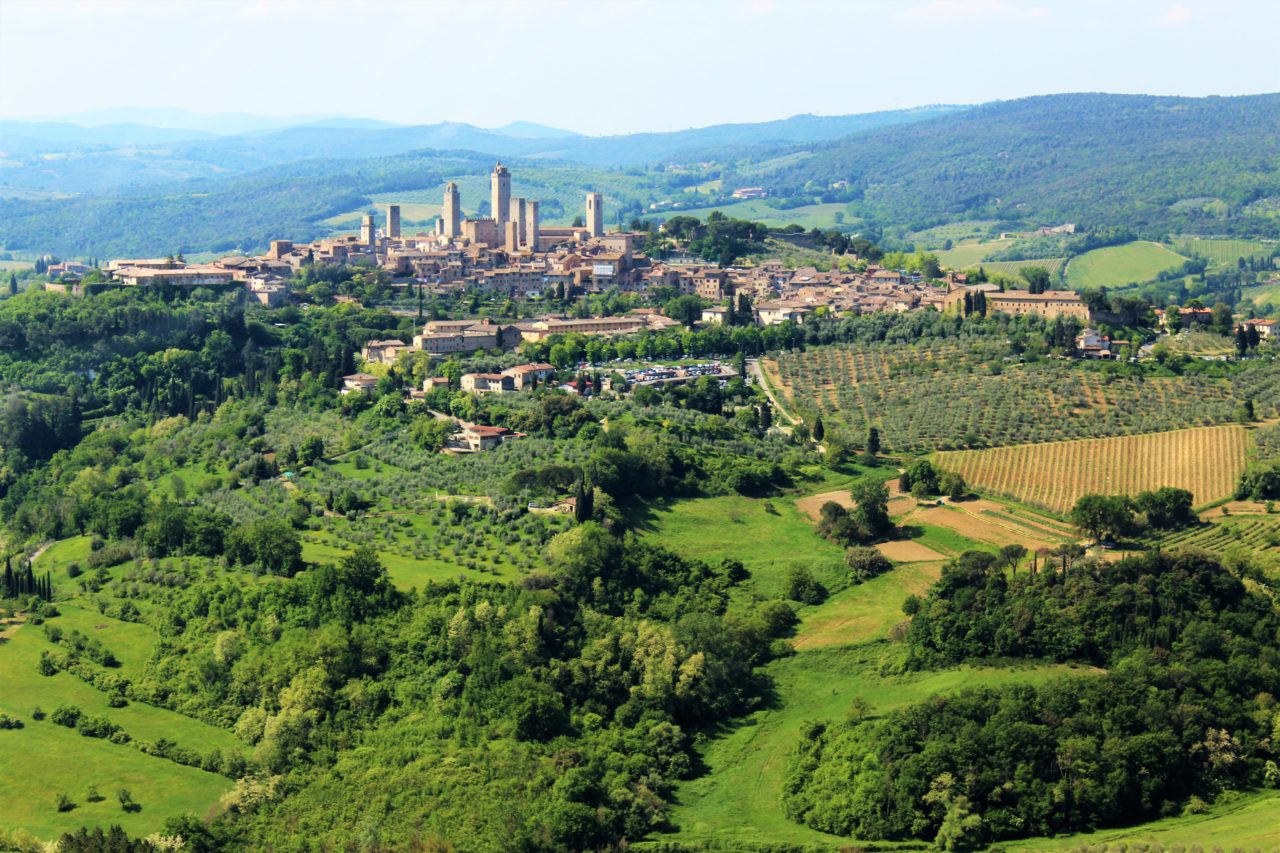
(513,256)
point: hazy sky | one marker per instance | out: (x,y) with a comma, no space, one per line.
(613,66)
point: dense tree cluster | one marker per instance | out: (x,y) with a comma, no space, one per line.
(1184,710)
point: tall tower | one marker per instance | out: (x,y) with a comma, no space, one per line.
(367,232)
(531,224)
(393,221)
(517,216)
(595,214)
(500,195)
(452,214)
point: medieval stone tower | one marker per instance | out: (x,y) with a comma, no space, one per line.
(595,214)
(500,195)
(452,213)
(393,221)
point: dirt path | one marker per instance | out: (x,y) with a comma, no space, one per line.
(753,367)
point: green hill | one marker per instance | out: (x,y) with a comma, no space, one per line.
(1153,163)
(1115,266)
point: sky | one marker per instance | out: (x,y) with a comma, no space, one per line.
(617,66)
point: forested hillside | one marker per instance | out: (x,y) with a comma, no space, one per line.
(1154,164)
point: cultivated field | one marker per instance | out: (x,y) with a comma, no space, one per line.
(1116,266)
(989,402)
(1207,461)
(1222,251)
(1016,267)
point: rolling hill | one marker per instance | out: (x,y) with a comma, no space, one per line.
(1151,163)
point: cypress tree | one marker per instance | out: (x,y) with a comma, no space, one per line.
(819,431)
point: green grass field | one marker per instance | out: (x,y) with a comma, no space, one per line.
(1237,822)
(44,759)
(63,553)
(17,266)
(866,612)
(767,542)
(969,229)
(737,801)
(970,254)
(1264,296)
(1116,266)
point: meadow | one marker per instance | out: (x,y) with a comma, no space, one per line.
(970,254)
(735,802)
(1207,461)
(45,760)
(896,388)
(966,230)
(1116,266)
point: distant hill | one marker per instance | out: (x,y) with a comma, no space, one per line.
(63,136)
(169,157)
(216,124)
(1155,165)
(1151,163)
(531,130)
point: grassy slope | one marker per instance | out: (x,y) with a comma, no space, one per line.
(1237,822)
(767,543)
(737,800)
(1115,266)
(46,759)
(757,210)
(968,254)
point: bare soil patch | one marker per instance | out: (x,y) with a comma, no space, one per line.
(985,529)
(907,551)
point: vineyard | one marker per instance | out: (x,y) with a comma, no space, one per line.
(1052,265)
(949,395)
(1222,251)
(1256,532)
(1206,461)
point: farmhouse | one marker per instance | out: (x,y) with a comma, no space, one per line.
(1265,327)
(773,314)
(525,376)
(486,383)
(359,383)
(383,352)
(1090,344)
(474,438)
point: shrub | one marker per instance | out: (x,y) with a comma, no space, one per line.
(866,563)
(66,715)
(802,586)
(64,803)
